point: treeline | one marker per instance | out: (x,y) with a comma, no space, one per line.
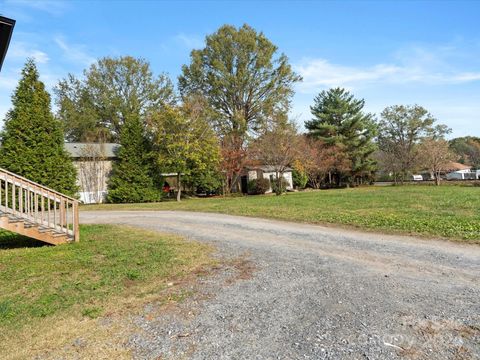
(230,109)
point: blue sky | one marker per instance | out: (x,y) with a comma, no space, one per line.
(385,52)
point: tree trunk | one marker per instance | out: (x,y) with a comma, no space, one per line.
(279,190)
(235,185)
(179,188)
(437,178)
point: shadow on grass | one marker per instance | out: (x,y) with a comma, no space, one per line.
(10,240)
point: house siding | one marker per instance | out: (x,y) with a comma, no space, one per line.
(92,179)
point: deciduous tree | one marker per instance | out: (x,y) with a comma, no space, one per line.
(401,129)
(299,175)
(112,91)
(323,162)
(468,150)
(184,142)
(93,170)
(278,148)
(234,157)
(435,155)
(246,84)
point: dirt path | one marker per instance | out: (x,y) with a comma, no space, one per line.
(310,292)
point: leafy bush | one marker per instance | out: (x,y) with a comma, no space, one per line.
(258,186)
(124,193)
(207,182)
(279,188)
(299,179)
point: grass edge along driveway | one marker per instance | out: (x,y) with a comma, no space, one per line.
(450,212)
(52,295)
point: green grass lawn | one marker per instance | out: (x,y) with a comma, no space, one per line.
(447,211)
(89,278)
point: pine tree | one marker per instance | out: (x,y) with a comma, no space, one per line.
(339,120)
(131,179)
(32,139)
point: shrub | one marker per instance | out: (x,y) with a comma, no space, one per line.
(258,186)
(299,178)
(279,188)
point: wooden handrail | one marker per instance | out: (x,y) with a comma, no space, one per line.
(36,184)
(39,205)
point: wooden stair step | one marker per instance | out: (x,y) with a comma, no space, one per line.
(29,225)
(58,234)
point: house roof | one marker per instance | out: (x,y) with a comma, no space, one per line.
(6,29)
(81,150)
(455,166)
(265,168)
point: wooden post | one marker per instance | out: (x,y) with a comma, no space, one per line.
(48,208)
(62,213)
(35,204)
(6,191)
(42,206)
(76,222)
(20,199)
(67,204)
(14,202)
(54,212)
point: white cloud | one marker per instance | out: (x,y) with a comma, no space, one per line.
(8,83)
(52,7)
(322,73)
(415,65)
(190,41)
(467,77)
(22,51)
(74,52)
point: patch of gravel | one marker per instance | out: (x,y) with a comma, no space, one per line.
(296,291)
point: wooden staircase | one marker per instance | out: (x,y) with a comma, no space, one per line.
(33,210)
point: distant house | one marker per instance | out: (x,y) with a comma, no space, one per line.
(266,172)
(457,171)
(93,162)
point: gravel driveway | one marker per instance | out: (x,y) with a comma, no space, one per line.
(311,292)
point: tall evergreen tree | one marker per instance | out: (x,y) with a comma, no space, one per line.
(32,139)
(339,120)
(131,179)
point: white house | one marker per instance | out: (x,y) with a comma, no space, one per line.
(457,171)
(266,172)
(464,175)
